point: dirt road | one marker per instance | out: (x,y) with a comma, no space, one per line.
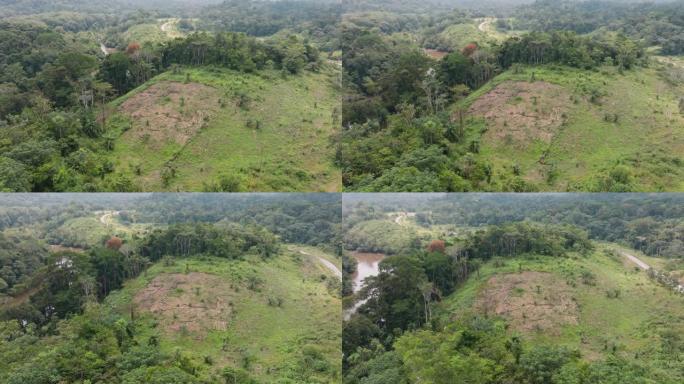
(170,28)
(635,260)
(332,267)
(401,216)
(107,216)
(485,23)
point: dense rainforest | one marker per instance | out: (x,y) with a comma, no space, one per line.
(435,96)
(430,148)
(317,20)
(654,24)
(651,225)
(23,7)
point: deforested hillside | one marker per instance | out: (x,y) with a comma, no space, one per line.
(211,128)
(560,128)
(224,314)
(501,288)
(168,97)
(115,289)
(456,99)
(569,303)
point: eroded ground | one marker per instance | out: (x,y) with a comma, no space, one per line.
(518,113)
(170,112)
(530,301)
(194,302)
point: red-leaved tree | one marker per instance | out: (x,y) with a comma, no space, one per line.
(132,48)
(469,49)
(436,246)
(114,243)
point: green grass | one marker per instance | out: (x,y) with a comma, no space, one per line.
(632,322)
(458,36)
(145,33)
(392,237)
(317,252)
(86,232)
(380,236)
(290,151)
(89,231)
(170,27)
(273,336)
(646,139)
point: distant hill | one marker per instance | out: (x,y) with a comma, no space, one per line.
(25,7)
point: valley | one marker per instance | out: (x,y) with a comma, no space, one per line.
(476,99)
(169,288)
(164,96)
(500,287)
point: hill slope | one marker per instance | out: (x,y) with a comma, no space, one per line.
(218,129)
(249,319)
(274,319)
(568,129)
(599,304)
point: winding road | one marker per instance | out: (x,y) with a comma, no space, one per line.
(169,27)
(104,219)
(402,218)
(332,267)
(485,22)
(635,260)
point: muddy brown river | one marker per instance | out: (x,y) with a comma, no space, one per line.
(367,266)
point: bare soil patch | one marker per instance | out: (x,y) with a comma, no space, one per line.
(194,303)
(519,112)
(170,111)
(57,248)
(435,54)
(679,275)
(530,301)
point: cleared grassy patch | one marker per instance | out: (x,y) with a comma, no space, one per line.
(145,33)
(622,131)
(619,308)
(266,132)
(86,232)
(458,36)
(274,318)
(380,236)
